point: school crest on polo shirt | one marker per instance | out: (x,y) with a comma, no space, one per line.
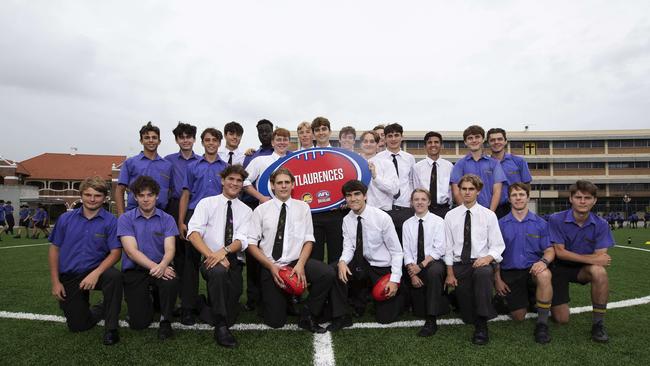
(320,173)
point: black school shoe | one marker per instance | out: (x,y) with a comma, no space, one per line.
(340,323)
(111,337)
(541,333)
(480,337)
(224,338)
(165,330)
(430,328)
(307,323)
(598,333)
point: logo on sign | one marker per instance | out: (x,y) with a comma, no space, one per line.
(320,170)
(307,197)
(323,196)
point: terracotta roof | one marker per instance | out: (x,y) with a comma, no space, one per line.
(68,167)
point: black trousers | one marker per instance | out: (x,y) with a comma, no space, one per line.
(474,291)
(439,210)
(179,254)
(363,278)
(429,300)
(320,277)
(189,279)
(253,287)
(11,222)
(76,306)
(400,214)
(328,229)
(137,283)
(224,289)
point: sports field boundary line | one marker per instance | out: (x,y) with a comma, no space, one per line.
(24,246)
(635,248)
(293,327)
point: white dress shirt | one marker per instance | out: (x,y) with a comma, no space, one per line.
(298,229)
(209,220)
(257,166)
(381,247)
(486,235)
(422,178)
(384,186)
(405,163)
(434,237)
(237,156)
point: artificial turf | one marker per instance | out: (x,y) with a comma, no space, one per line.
(25,287)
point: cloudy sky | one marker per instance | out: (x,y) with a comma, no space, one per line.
(88,74)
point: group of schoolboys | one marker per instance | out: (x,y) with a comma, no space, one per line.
(190,214)
(34,219)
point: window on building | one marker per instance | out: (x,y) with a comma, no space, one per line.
(40,185)
(415,144)
(58,185)
(451,145)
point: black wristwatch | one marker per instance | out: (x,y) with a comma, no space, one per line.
(544,261)
(420,265)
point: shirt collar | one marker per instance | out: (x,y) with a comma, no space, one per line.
(279,203)
(570,218)
(142,156)
(138,213)
(202,158)
(194,156)
(101,213)
(431,161)
(426,217)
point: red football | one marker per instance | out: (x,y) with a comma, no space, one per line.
(378,292)
(292,285)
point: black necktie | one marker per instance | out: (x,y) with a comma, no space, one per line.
(467,239)
(433,185)
(228,232)
(420,242)
(358,251)
(279,234)
(230,153)
(396,196)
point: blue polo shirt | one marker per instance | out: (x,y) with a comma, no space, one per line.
(516,170)
(159,169)
(23,213)
(2,213)
(40,216)
(149,233)
(9,209)
(525,240)
(260,152)
(203,179)
(487,168)
(179,170)
(594,233)
(83,243)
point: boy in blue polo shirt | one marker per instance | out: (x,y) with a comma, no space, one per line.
(40,222)
(149,163)
(202,180)
(148,235)
(514,167)
(84,247)
(581,240)
(477,163)
(526,258)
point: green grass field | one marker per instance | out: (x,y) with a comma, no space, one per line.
(25,288)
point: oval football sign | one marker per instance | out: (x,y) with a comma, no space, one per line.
(320,173)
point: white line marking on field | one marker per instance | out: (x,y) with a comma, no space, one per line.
(24,246)
(323,350)
(293,327)
(626,247)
